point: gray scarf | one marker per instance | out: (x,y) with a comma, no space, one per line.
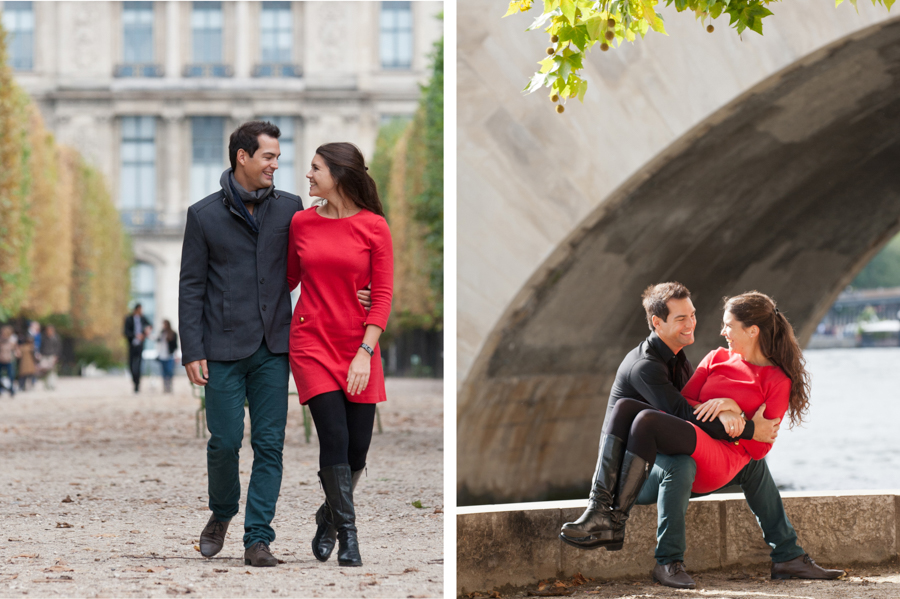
(230,185)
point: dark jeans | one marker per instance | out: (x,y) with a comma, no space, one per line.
(135,352)
(669,486)
(263,380)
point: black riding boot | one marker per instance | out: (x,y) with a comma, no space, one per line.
(338,486)
(326,533)
(594,528)
(635,471)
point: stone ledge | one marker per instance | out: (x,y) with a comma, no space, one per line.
(516,544)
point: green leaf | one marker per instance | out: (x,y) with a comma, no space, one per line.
(513,8)
(594,27)
(568,10)
(582,88)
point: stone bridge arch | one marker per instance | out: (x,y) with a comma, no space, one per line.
(776,167)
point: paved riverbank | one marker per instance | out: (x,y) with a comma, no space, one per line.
(865,582)
(103,494)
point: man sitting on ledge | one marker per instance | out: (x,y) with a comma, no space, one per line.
(655,372)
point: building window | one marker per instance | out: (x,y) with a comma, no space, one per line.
(206,31)
(137,193)
(207,155)
(137,41)
(276,32)
(18,21)
(206,41)
(396,35)
(286,175)
(143,290)
(137,20)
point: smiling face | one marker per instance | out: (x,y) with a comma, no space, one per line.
(677,331)
(321,183)
(743,341)
(258,171)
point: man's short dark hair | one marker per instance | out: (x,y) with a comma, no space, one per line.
(246,137)
(136,307)
(655,297)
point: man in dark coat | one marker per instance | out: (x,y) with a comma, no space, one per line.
(136,330)
(234,311)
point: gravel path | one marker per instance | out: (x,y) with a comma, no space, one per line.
(103,494)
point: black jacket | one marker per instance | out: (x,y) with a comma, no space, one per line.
(653,374)
(129,331)
(233,290)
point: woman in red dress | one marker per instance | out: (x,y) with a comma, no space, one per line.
(763,368)
(334,249)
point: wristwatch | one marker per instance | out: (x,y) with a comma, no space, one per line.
(368,349)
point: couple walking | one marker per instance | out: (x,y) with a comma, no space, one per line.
(245,248)
(671,432)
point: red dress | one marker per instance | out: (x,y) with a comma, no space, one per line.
(333,258)
(723,373)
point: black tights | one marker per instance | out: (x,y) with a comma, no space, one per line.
(344,429)
(648,431)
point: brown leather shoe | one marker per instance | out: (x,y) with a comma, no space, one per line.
(258,555)
(803,567)
(213,537)
(672,575)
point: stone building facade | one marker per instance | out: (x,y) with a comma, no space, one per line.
(150,91)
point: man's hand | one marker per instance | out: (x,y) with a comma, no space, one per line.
(365,297)
(733,422)
(709,409)
(766,430)
(197,372)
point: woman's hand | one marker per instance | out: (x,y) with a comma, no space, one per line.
(733,422)
(358,375)
(708,410)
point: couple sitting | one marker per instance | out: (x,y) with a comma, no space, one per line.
(671,432)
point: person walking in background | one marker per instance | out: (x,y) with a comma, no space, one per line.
(8,350)
(51,349)
(136,329)
(166,344)
(333,250)
(27,369)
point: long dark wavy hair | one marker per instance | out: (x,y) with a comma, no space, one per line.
(349,170)
(777,343)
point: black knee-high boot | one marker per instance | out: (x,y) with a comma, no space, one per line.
(338,486)
(594,528)
(326,534)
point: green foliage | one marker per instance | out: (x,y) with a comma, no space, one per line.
(383,158)
(63,252)
(883,270)
(429,204)
(577,25)
(408,167)
(16,228)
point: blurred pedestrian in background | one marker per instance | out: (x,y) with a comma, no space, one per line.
(8,352)
(136,329)
(166,344)
(27,369)
(51,348)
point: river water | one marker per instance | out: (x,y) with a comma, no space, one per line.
(851,438)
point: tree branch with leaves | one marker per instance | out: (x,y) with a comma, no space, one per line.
(575,26)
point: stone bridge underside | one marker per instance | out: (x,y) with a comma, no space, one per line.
(790,189)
